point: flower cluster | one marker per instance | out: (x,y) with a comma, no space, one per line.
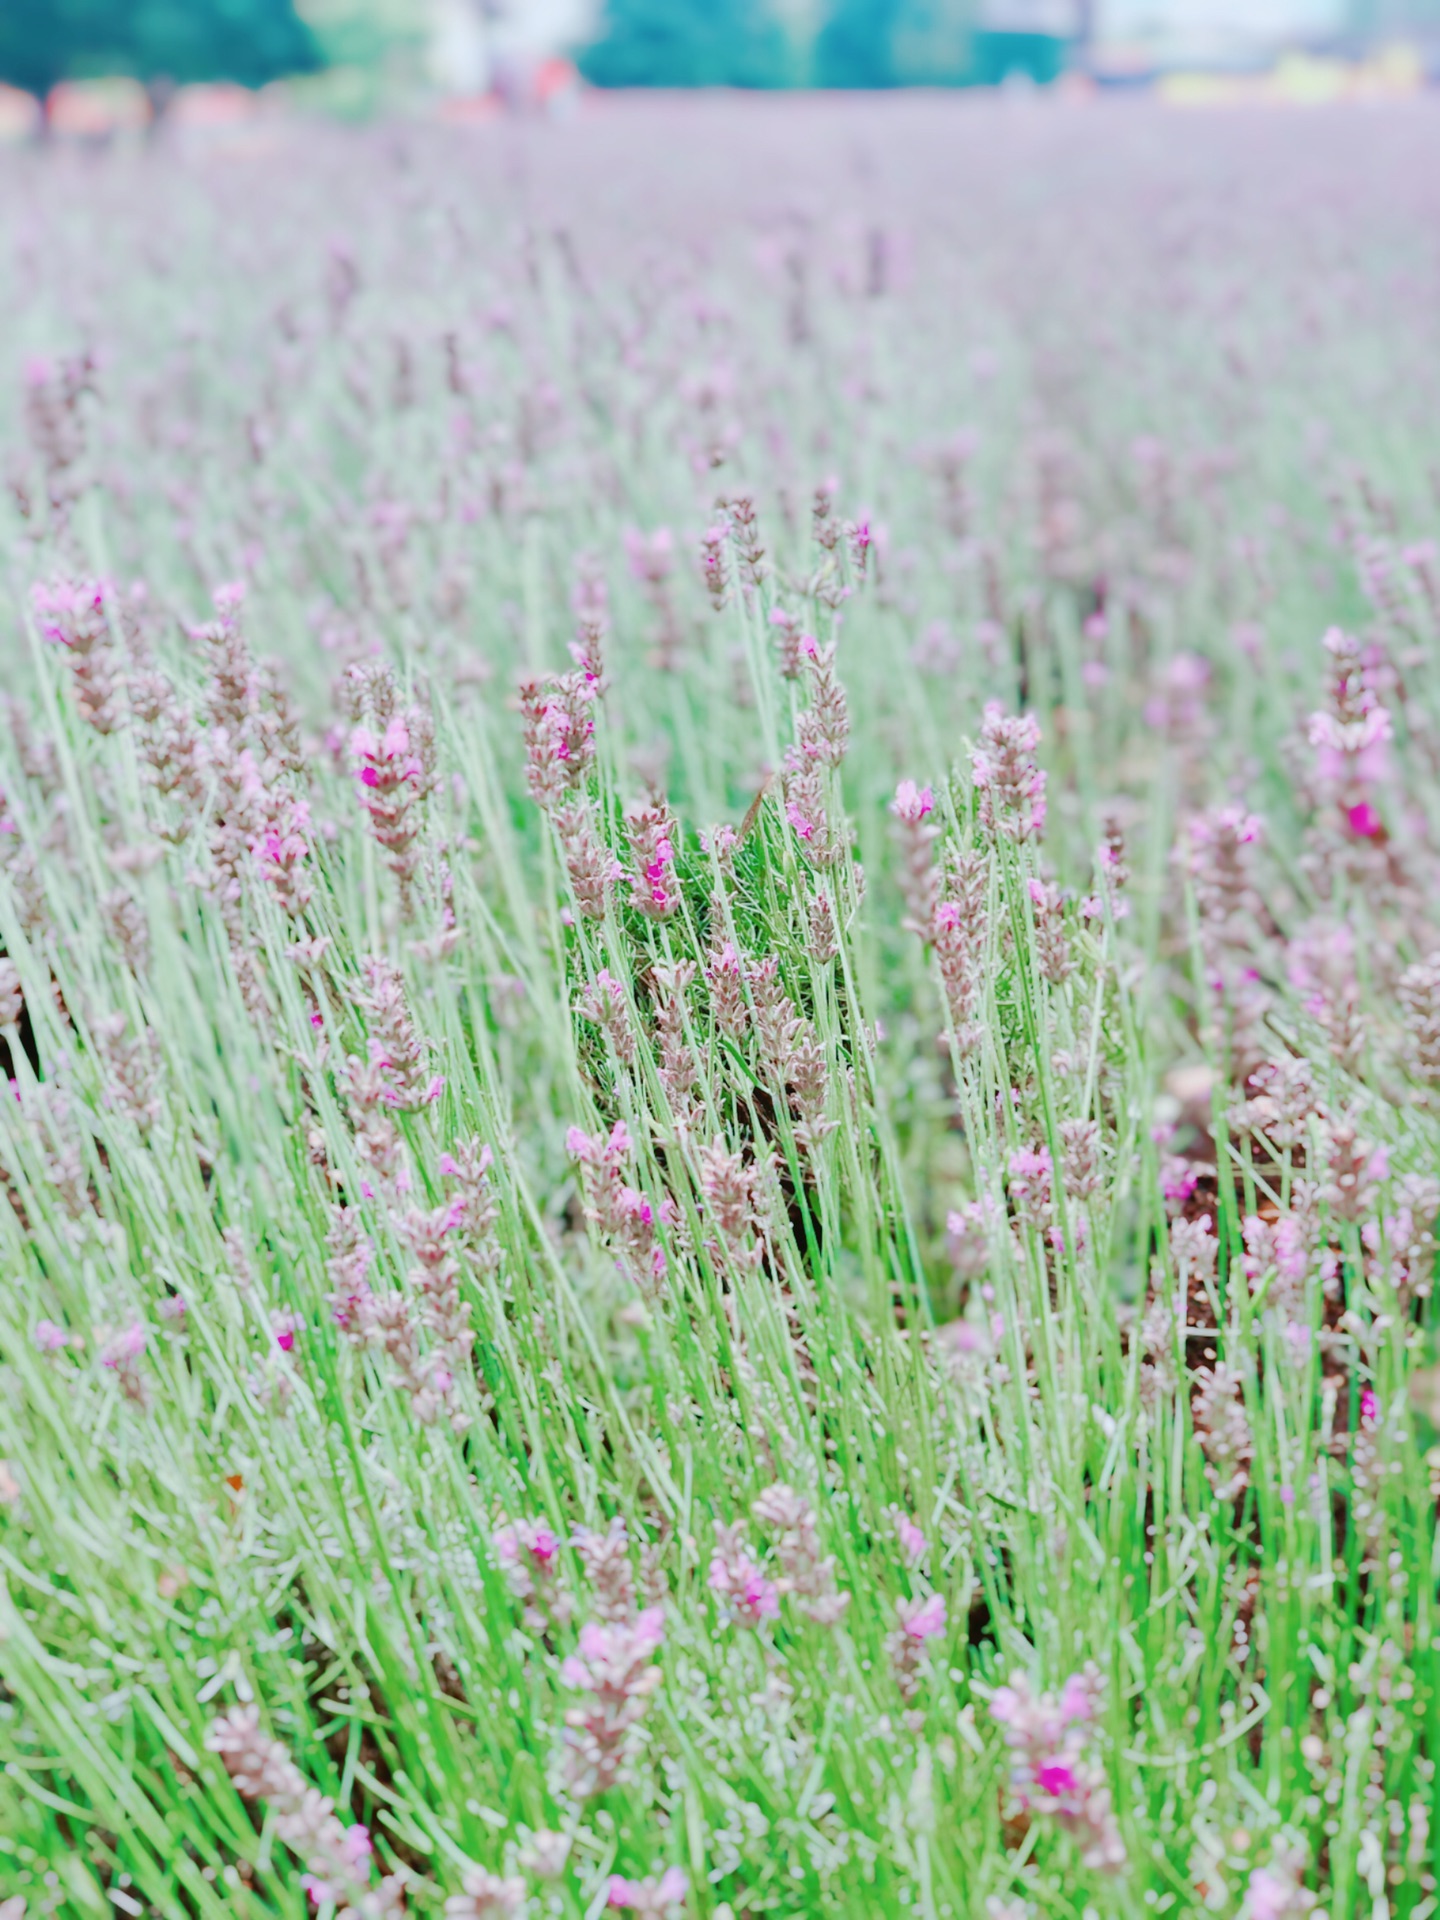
(1055,1775)
(337,1857)
(1010,784)
(618,1210)
(614,1667)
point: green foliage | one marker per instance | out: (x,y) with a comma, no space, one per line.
(39,39)
(1032,56)
(250,41)
(689,43)
(853,48)
(459,422)
(377,35)
(893,43)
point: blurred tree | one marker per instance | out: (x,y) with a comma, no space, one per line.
(689,43)
(894,43)
(37,39)
(854,47)
(370,33)
(250,41)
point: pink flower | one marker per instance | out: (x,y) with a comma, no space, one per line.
(1054,1772)
(1278,1891)
(1364,822)
(605,1647)
(528,1550)
(544,1545)
(1031,1173)
(1369,1407)
(50,1338)
(1010,785)
(912,1540)
(1352,750)
(1077,1700)
(125,1346)
(927,1621)
(753,1596)
(71,614)
(285,1326)
(386,760)
(736,1577)
(911,803)
(1178,1181)
(356,1847)
(651,1899)
(630,1204)
(1056,1779)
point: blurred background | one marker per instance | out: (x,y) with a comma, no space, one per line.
(101,68)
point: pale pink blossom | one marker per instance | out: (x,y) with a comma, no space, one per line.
(651,1899)
(912,1540)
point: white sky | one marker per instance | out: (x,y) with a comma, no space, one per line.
(1259,19)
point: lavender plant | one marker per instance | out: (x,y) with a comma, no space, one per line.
(720,998)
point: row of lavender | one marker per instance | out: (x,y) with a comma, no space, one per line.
(722,1174)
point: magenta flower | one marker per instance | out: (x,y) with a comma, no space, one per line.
(911,803)
(385,760)
(1056,1778)
(1054,1773)
(285,1326)
(737,1578)
(650,1899)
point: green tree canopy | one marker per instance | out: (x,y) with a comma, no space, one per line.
(854,45)
(894,43)
(689,43)
(250,41)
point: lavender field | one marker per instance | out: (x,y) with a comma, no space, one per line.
(720,885)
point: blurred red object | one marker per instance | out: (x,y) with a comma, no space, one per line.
(95,109)
(555,83)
